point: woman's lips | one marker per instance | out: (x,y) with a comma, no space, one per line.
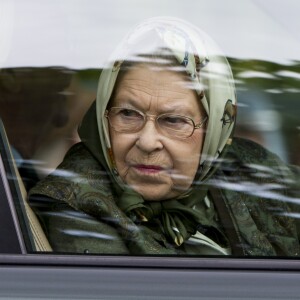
(148,169)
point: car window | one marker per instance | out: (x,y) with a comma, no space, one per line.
(53,55)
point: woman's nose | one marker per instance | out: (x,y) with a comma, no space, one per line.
(149,138)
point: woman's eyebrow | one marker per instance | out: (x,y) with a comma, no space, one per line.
(177,108)
(129,101)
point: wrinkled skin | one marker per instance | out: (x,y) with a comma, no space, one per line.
(156,166)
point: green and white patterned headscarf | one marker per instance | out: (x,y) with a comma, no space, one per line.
(203,61)
(211,78)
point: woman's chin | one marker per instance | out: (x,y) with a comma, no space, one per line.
(155,193)
(151,193)
(156,188)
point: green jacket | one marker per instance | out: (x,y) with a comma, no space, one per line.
(250,194)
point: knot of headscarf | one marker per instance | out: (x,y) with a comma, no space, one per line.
(178,217)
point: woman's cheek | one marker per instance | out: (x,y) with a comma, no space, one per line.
(122,149)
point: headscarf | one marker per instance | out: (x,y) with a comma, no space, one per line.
(212,80)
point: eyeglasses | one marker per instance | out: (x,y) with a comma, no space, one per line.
(129,120)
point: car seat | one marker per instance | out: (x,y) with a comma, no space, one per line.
(32,234)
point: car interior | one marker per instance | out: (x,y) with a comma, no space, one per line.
(31,237)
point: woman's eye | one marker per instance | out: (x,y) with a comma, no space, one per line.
(129,113)
(175,122)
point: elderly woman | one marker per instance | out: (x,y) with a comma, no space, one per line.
(157,171)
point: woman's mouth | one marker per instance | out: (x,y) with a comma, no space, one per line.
(148,169)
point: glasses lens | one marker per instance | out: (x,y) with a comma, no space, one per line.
(125,120)
(176,125)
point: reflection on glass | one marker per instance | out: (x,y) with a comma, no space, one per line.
(151,189)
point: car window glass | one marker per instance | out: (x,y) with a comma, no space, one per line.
(49,75)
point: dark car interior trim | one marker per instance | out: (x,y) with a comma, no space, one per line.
(158,262)
(10,235)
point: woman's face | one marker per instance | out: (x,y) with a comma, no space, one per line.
(156,166)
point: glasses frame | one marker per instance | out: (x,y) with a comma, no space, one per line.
(146,117)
